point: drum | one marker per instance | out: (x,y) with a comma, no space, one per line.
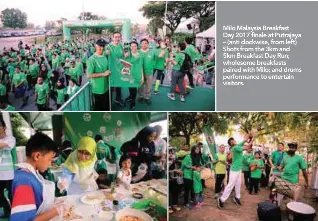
(206,173)
(298,211)
(285,187)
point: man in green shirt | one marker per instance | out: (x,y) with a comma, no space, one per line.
(276,159)
(98,72)
(236,170)
(33,73)
(291,165)
(247,157)
(177,76)
(144,92)
(74,72)
(161,54)
(115,51)
(102,153)
(194,54)
(41,97)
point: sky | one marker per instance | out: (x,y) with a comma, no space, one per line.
(39,11)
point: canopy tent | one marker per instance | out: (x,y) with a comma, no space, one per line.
(209,33)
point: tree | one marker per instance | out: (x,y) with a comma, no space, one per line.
(30,25)
(154,24)
(90,16)
(135,29)
(14,18)
(50,25)
(16,123)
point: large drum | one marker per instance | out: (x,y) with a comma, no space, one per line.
(206,173)
(300,212)
(284,187)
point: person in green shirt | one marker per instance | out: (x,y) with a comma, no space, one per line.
(194,54)
(220,169)
(42,94)
(3,93)
(98,74)
(84,59)
(55,61)
(32,73)
(276,159)
(144,92)
(136,60)
(60,93)
(79,65)
(291,165)
(115,51)
(74,72)
(177,76)
(6,107)
(19,83)
(161,54)
(247,157)
(256,174)
(191,166)
(102,153)
(236,170)
(71,90)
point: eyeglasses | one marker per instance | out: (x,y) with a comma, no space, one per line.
(84,153)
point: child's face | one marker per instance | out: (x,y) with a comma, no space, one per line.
(40,80)
(71,83)
(43,161)
(83,155)
(257,156)
(221,149)
(126,164)
(152,136)
(59,83)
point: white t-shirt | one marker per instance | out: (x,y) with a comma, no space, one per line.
(6,163)
(126,179)
(161,146)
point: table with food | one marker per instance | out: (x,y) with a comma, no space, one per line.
(144,201)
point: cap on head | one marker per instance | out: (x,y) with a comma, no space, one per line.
(293,144)
(101,42)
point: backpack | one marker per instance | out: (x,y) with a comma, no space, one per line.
(187,64)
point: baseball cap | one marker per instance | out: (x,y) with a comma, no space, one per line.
(101,42)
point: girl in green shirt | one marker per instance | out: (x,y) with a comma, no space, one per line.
(256,174)
(71,90)
(60,93)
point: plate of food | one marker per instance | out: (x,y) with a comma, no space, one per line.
(128,214)
(71,215)
(92,198)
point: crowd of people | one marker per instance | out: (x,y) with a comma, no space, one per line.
(90,165)
(279,171)
(54,70)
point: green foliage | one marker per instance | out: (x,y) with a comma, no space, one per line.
(90,16)
(154,24)
(180,37)
(16,123)
(14,18)
(202,10)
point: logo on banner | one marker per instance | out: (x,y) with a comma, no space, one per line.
(119,123)
(109,138)
(89,133)
(126,70)
(107,117)
(102,130)
(87,117)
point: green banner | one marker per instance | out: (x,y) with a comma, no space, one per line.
(115,128)
(209,138)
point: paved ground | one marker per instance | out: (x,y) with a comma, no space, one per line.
(231,212)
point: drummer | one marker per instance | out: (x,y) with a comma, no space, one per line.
(291,165)
(78,174)
(276,159)
(33,196)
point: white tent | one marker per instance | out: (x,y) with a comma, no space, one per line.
(182,28)
(209,33)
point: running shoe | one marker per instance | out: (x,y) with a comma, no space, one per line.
(182,98)
(120,102)
(156,92)
(132,106)
(171,97)
(220,203)
(128,99)
(237,201)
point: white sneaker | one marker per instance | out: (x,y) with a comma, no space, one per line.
(182,98)
(171,96)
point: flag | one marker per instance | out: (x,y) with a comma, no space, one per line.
(209,138)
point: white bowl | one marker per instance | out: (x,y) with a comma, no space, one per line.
(105,216)
(132,212)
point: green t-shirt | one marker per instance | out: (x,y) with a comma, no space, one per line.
(98,64)
(291,167)
(237,157)
(103,151)
(247,157)
(192,52)
(220,168)
(11,69)
(60,95)
(277,159)
(18,78)
(74,73)
(63,56)
(116,53)
(48,54)
(3,90)
(9,108)
(137,67)
(55,62)
(179,59)
(149,61)
(80,66)
(84,58)
(258,172)
(186,167)
(34,70)
(42,93)
(160,61)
